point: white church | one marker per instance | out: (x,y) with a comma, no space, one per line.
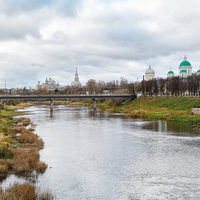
(185,70)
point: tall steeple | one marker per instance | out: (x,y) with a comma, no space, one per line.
(76,76)
(185,58)
(76,81)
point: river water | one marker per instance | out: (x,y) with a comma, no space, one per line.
(98,156)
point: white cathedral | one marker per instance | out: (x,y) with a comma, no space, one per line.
(49,84)
(185,70)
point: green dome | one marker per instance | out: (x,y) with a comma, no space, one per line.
(185,63)
(198,71)
(183,71)
(170,72)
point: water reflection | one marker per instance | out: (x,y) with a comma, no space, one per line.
(173,128)
(94,155)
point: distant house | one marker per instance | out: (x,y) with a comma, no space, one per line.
(106,91)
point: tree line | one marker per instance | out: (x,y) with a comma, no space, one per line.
(175,86)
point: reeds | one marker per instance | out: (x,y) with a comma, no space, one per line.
(25,157)
(25,160)
(21,159)
(28,138)
(25,191)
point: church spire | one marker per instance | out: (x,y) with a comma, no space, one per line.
(185,58)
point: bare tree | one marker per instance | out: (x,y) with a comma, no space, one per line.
(91,86)
(99,87)
(162,84)
(131,88)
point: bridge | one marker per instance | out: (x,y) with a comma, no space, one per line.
(51,98)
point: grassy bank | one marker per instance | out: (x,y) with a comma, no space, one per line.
(19,154)
(19,147)
(169,108)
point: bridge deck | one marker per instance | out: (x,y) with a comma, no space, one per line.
(53,97)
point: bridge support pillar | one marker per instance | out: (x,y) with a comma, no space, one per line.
(51,104)
(4,104)
(95,103)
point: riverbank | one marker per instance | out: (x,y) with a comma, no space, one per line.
(19,154)
(168,108)
(19,149)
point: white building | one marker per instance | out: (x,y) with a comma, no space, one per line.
(76,82)
(170,74)
(185,68)
(149,74)
(48,85)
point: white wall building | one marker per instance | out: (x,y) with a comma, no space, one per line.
(149,74)
(185,68)
(48,85)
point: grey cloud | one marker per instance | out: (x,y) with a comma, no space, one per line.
(67,7)
(101,45)
(13,7)
(18,27)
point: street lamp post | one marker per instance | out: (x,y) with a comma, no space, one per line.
(5,87)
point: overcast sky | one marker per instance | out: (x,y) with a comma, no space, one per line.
(104,39)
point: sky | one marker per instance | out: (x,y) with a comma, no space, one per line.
(104,39)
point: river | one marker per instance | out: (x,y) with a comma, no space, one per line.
(98,156)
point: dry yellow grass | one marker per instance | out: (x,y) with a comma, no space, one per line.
(25,160)
(24,121)
(25,191)
(3,168)
(31,129)
(19,105)
(41,167)
(2,136)
(26,155)
(28,138)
